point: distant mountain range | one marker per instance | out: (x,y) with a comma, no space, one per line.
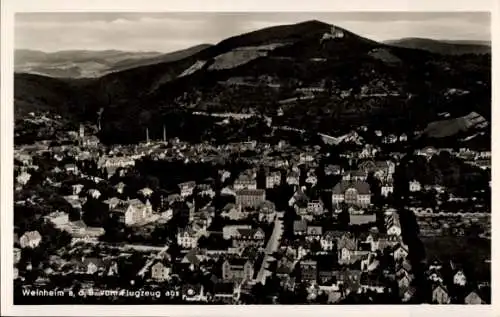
(321,77)
(443,46)
(91,64)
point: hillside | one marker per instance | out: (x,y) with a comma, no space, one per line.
(323,78)
(443,47)
(91,64)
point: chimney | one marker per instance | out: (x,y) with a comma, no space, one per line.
(147,136)
(164,134)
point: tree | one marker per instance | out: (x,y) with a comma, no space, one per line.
(95,213)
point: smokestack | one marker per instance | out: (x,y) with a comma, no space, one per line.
(147,136)
(164,134)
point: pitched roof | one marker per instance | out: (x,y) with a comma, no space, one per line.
(362,219)
(299,225)
(250,192)
(32,235)
(334,234)
(248,232)
(192,257)
(346,242)
(392,220)
(316,230)
(361,187)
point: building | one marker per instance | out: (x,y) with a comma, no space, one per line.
(249,237)
(77,188)
(245,181)
(315,207)
(314,233)
(428,152)
(415,186)
(386,189)
(132,212)
(237,270)
(267,211)
(306,157)
(250,197)
(361,219)
(71,168)
(329,240)
(160,272)
(187,238)
(30,239)
(309,271)
(349,279)
(113,203)
(23,178)
(293,178)
(273,179)
(231,231)
(80,232)
(187,188)
(459,278)
(58,218)
(233,212)
(473,299)
(346,246)
(17,255)
(401,252)
(91,141)
(392,224)
(355,176)
(299,227)
(383,170)
(352,193)
(333,170)
(440,295)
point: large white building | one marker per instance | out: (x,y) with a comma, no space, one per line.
(352,193)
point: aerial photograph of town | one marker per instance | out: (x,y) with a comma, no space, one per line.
(252,158)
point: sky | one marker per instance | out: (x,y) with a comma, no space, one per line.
(167,32)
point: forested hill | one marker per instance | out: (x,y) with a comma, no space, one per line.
(323,78)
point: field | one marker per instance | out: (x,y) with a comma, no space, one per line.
(471,253)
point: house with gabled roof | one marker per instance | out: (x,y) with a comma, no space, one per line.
(30,239)
(346,245)
(237,269)
(160,271)
(249,237)
(473,299)
(459,278)
(352,193)
(186,188)
(400,251)
(133,211)
(187,238)
(299,227)
(314,232)
(440,294)
(392,224)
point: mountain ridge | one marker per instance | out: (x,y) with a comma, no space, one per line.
(323,77)
(89,63)
(445,47)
